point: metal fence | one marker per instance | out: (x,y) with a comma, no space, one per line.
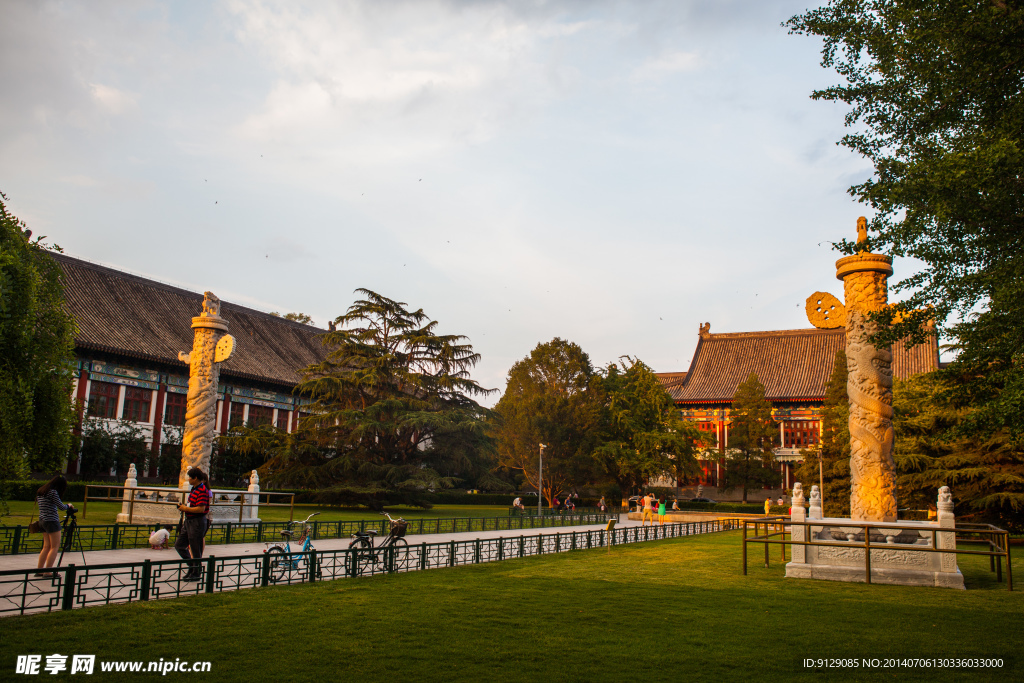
(16,540)
(549,512)
(72,587)
(774,530)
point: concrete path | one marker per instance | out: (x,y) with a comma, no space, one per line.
(235,566)
(95,557)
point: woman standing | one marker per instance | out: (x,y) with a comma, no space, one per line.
(49,502)
(661,510)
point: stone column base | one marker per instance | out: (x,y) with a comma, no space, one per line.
(900,577)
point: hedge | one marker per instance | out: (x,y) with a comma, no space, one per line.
(26,490)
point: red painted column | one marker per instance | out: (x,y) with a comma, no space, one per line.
(158,423)
(226,414)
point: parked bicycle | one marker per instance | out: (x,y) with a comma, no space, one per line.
(280,556)
(393,553)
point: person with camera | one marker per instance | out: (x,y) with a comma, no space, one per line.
(49,502)
(192,530)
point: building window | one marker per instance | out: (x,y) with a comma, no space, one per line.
(136,404)
(176,406)
(800,434)
(282,419)
(103,400)
(260,415)
(237,415)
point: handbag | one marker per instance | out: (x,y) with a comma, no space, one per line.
(34,527)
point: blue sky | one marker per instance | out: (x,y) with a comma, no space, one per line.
(613,173)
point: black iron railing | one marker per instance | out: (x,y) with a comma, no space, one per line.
(72,587)
(16,540)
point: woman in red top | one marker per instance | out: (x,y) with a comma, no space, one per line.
(193,528)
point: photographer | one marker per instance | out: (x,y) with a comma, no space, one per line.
(192,530)
(49,502)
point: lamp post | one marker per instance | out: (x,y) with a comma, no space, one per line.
(540,480)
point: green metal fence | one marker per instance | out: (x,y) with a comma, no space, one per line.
(529,511)
(16,540)
(73,586)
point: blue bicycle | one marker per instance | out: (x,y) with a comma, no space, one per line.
(280,556)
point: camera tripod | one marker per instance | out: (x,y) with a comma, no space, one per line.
(69,532)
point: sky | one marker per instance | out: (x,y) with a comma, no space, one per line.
(611,173)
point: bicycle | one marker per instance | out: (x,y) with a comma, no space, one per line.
(281,558)
(393,550)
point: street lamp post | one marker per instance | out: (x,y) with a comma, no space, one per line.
(540,480)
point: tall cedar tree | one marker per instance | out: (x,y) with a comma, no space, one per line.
(643,437)
(753,433)
(985,475)
(391,403)
(834,449)
(36,354)
(552,397)
(936,89)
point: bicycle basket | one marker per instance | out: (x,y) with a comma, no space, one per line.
(398,528)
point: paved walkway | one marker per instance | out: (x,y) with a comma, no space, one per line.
(95,557)
(236,566)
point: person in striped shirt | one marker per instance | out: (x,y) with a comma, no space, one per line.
(192,531)
(49,502)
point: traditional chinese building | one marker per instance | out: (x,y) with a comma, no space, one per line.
(130,331)
(793,365)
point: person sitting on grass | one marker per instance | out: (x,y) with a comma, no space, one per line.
(159,538)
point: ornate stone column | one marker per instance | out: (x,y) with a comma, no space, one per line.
(869,387)
(211,346)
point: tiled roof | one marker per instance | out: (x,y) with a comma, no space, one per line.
(670,379)
(131,316)
(791,364)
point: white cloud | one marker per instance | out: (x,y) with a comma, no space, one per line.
(111,99)
(666,65)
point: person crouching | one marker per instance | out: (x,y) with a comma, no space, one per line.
(158,539)
(192,531)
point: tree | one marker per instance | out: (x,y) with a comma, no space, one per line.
(391,401)
(36,354)
(935,90)
(297,317)
(833,452)
(643,437)
(750,455)
(986,475)
(552,397)
(108,445)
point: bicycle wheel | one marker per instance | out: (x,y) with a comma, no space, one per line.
(403,557)
(360,554)
(279,563)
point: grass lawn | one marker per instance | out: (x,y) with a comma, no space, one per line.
(23,511)
(664,611)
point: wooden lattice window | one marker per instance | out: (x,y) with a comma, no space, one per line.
(103,399)
(136,404)
(175,411)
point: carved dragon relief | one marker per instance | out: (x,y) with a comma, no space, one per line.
(210,347)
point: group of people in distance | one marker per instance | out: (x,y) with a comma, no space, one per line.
(195,522)
(649,506)
(568,504)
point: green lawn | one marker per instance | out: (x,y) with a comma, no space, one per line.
(22,512)
(675,610)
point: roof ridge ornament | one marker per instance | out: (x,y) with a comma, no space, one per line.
(705,331)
